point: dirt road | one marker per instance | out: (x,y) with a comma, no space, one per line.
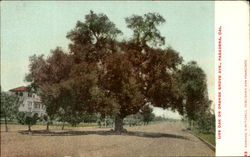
(156,140)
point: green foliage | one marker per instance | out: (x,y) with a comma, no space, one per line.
(160,118)
(96,27)
(206,122)
(47,119)
(106,121)
(134,119)
(21,117)
(72,117)
(90,118)
(144,28)
(93,38)
(75,118)
(9,105)
(31,119)
(194,87)
(28,118)
(147,114)
(208,137)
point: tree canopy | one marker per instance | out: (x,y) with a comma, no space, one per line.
(9,107)
(194,87)
(145,30)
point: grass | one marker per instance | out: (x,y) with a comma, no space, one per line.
(208,137)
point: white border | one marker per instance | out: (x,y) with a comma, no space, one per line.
(233,17)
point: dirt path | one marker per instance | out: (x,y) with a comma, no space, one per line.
(163,139)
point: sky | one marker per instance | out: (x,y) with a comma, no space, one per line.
(36,27)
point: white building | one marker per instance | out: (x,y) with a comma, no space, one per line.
(30,101)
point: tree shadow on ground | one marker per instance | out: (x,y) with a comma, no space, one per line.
(105,133)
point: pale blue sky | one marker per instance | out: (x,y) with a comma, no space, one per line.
(31,27)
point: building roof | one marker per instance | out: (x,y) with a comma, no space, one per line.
(21,88)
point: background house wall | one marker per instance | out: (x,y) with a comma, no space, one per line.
(30,101)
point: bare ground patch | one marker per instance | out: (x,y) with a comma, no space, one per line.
(163,139)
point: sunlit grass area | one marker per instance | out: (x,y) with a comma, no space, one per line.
(208,137)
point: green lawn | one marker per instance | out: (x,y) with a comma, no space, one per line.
(208,137)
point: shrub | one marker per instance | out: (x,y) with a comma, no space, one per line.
(27,118)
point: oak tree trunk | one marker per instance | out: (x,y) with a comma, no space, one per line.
(47,128)
(105,122)
(29,128)
(63,125)
(5,121)
(119,124)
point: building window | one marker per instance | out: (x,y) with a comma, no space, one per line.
(29,105)
(21,94)
(36,105)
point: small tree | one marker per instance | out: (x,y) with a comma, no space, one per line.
(194,87)
(28,118)
(206,122)
(31,120)
(48,121)
(21,117)
(147,114)
(61,116)
(72,117)
(90,118)
(9,107)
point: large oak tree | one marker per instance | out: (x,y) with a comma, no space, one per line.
(111,77)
